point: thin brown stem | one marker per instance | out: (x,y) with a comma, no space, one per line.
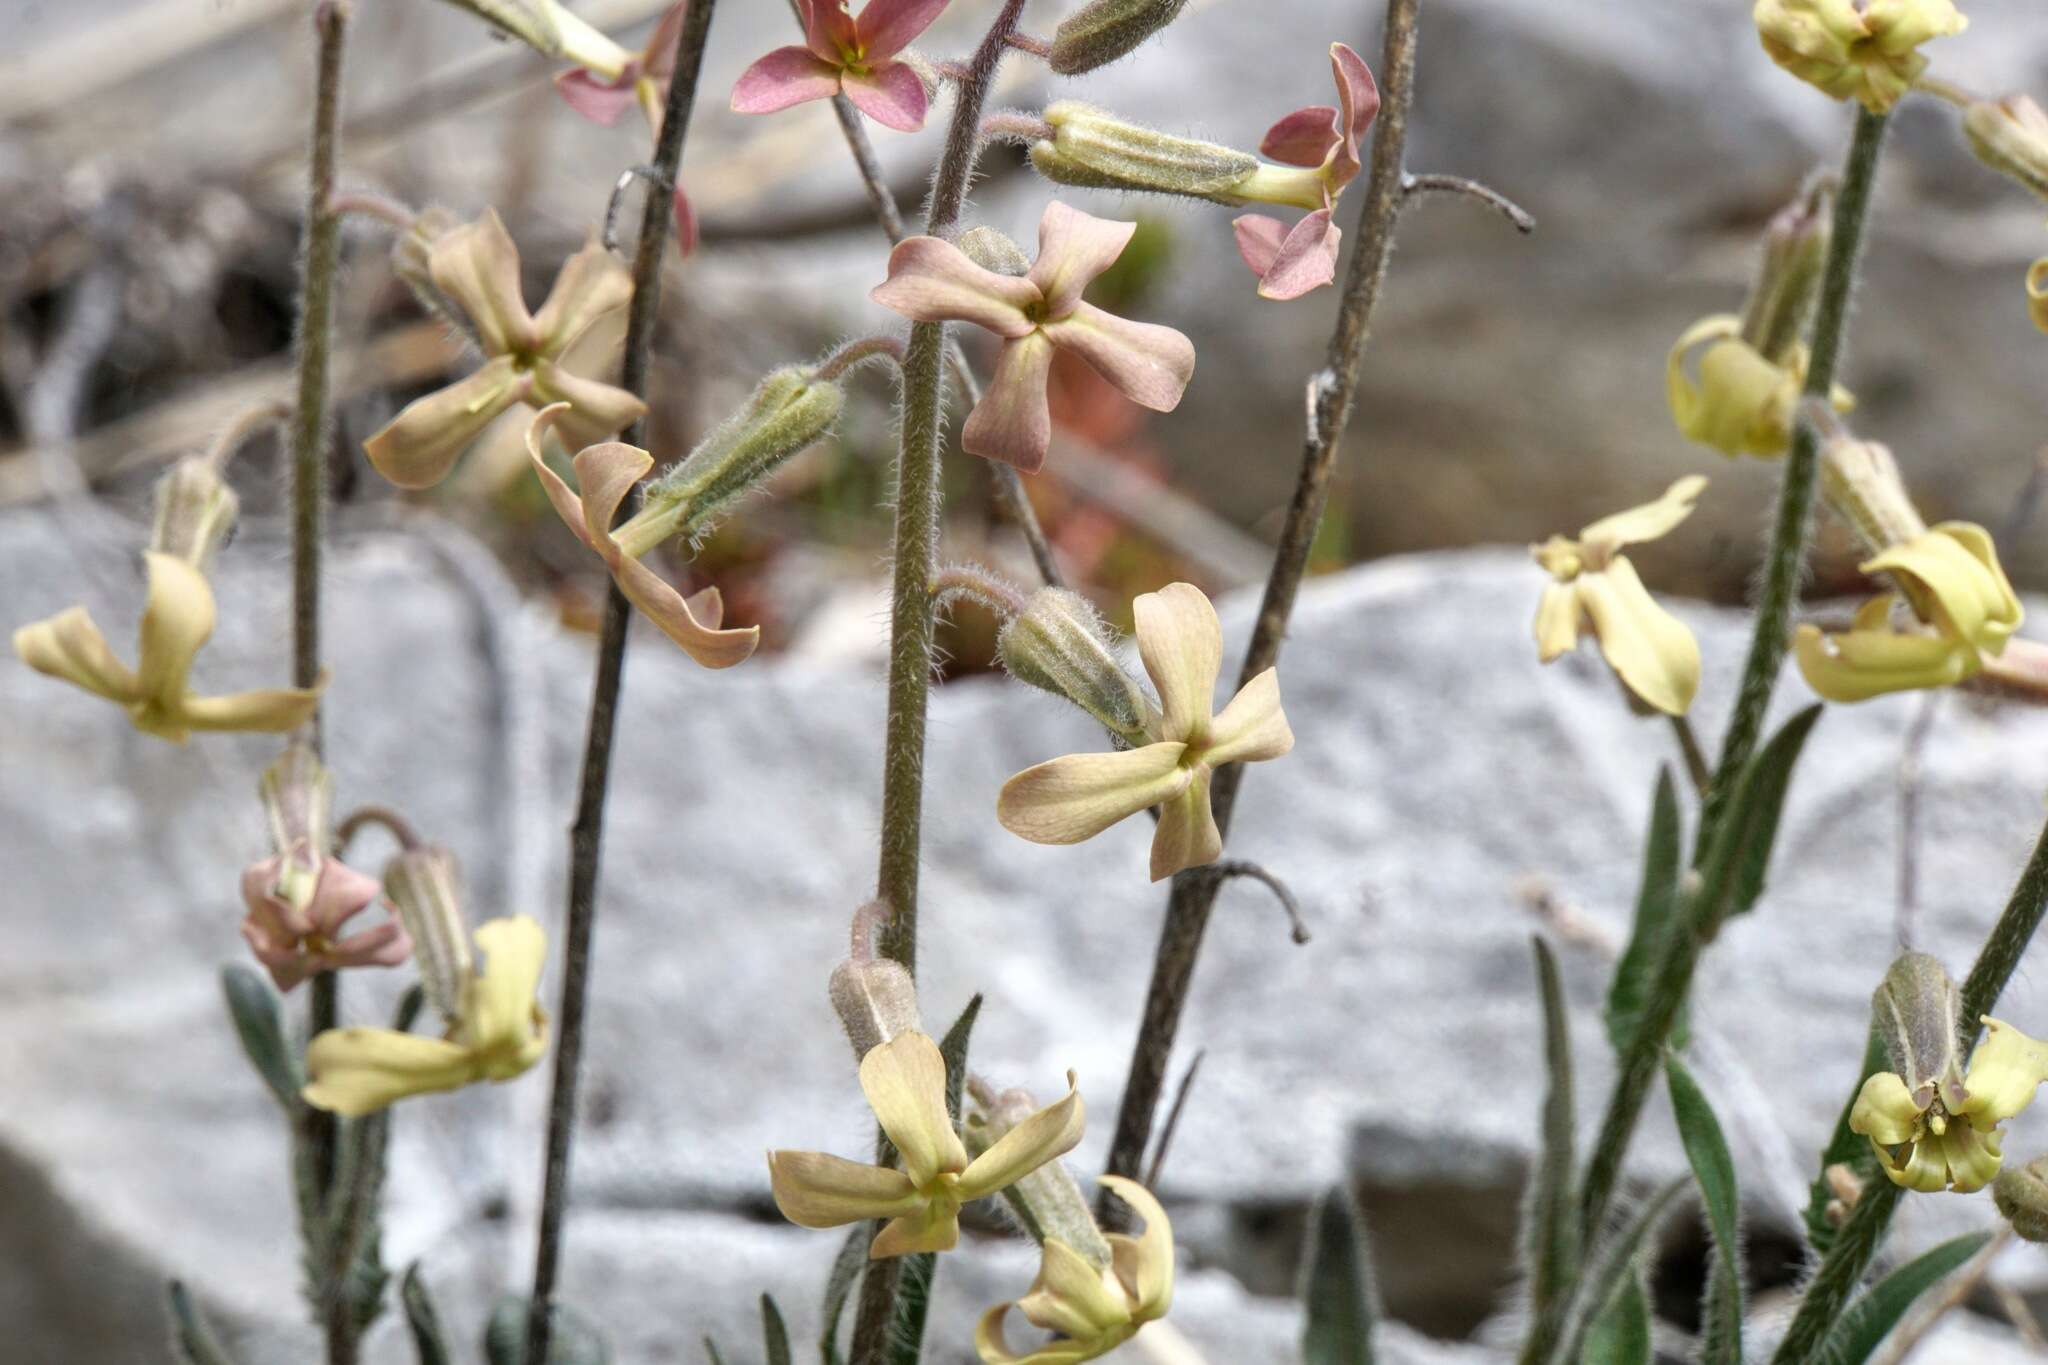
(382,207)
(245,424)
(1433,183)
(1180,1104)
(384,817)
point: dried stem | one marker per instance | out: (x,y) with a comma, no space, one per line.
(1521,218)
(1331,394)
(395,824)
(587,832)
(1180,1104)
(382,207)
(245,424)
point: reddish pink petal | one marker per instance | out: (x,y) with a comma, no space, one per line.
(933,281)
(273,916)
(1307,259)
(340,895)
(1073,248)
(886,27)
(828,29)
(658,58)
(1012,423)
(1302,138)
(1360,96)
(890,94)
(599,101)
(786,76)
(385,945)
(686,224)
(1258,240)
(1150,364)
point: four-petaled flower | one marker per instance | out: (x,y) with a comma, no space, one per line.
(934,281)
(1865,50)
(177,619)
(1952,578)
(1596,588)
(298,906)
(1092,1309)
(477,267)
(905,1083)
(606,474)
(499,1032)
(844,55)
(1743,401)
(1291,261)
(1067,800)
(1945,1135)
(644,80)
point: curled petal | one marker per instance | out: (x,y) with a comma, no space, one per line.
(659,56)
(177,620)
(417,448)
(1144,1263)
(597,411)
(1359,95)
(886,27)
(1067,800)
(1047,1135)
(1187,835)
(2005,1071)
(1953,575)
(339,896)
(1012,422)
(992,1344)
(1741,402)
(601,101)
(815,1190)
(1651,521)
(266,710)
(905,1082)
(1971,1156)
(1872,659)
(785,77)
(1252,728)
(592,283)
(891,95)
(1917,1166)
(1181,643)
(1303,260)
(477,265)
(1074,248)
(1073,1297)
(1646,645)
(934,281)
(70,646)
(500,1012)
(934,1226)
(357,1071)
(1884,1110)
(1302,138)
(1258,240)
(1557,621)
(1149,364)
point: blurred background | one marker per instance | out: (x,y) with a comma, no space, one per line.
(151,164)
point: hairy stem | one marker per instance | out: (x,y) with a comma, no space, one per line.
(586,834)
(1332,391)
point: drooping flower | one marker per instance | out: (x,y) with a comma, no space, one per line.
(299,906)
(497,1032)
(905,1083)
(1966,608)
(1067,800)
(845,55)
(177,619)
(605,474)
(1743,402)
(1292,261)
(1596,588)
(477,267)
(1865,50)
(1091,1309)
(1945,1135)
(934,281)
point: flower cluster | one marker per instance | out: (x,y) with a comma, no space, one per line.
(1864,50)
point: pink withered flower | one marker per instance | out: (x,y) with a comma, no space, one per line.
(842,55)
(1292,261)
(297,910)
(933,281)
(643,81)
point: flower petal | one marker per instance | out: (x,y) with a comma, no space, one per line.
(1651,521)
(1013,421)
(2004,1072)
(933,1226)
(1047,1135)
(786,76)
(177,620)
(686,223)
(1872,660)
(1953,576)
(1072,1297)
(1181,643)
(1305,261)
(905,1082)
(499,1011)
(597,411)
(1067,800)
(1884,1110)
(1145,1262)
(477,265)
(886,27)
(1972,1157)
(1073,248)
(828,28)
(266,710)
(70,646)
(1252,728)
(890,94)
(1649,647)
(1258,240)
(1742,403)
(601,101)
(357,1071)
(417,448)
(1149,364)
(1359,96)
(1302,138)
(934,281)
(1557,621)
(591,283)
(1187,835)
(815,1190)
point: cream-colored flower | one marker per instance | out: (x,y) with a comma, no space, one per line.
(177,619)
(1067,800)
(1942,1138)
(1091,1309)
(499,1032)
(1595,588)
(2037,293)
(1865,50)
(1742,402)
(905,1083)
(1952,579)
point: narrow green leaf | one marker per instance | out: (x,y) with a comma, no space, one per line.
(574,1339)
(711,1352)
(194,1340)
(1845,1148)
(1549,1227)
(1656,902)
(429,1342)
(774,1334)
(846,1271)
(1621,1336)
(1336,1287)
(1714,1170)
(1865,1323)
(953,1050)
(914,1290)
(1732,877)
(259,1023)
(1611,1268)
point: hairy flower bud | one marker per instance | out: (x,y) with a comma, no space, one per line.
(991,250)
(1048,1202)
(2021,1193)
(1059,644)
(297,793)
(1860,483)
(1100,32)
(1914,1011)
(423,885)
(195,512)
(874,996)
(2011,137)
(1094,149)
(1788,279)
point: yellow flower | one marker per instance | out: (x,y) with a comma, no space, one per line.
(499,1032)
(1067,800)
(1092,1309)
(1951,577)
(177,620)
(905,1082)
(2037,293)
(1743,402)
(1941,1139)
(1865,50)
(1596,588)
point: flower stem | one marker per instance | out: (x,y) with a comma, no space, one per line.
(860,352)
(1332,392)
(1635,1075)
(241,427)
(586,834)
(1695,758)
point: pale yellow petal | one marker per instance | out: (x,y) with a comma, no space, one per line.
(477,266)
(1884,1110)
(1953,575)
(356,1071)
(269,710)
(592,283)
(1650,648)
(905,1082)
(815,1190)
(1073,1296)
(1252,728)
(1066,800)
(1181,643)
(1651,521)
(176,622)
(1186,835)
(1557,621)
(499,1009)
(1870,661)
(70,646)
(1144,1262)
(1741,402)
(1972,1157)
(417,448)
(2005,1071)
(1924,1167)
(1047,1135)
(934,1226)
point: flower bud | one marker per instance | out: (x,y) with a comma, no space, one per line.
(1859,480)
(195,512)
(297,793)
(1096,150)
(1914,1011)
(424,888)
(1098,33)
(1788,279)
(412,250)
(1059,644)
(2021,1193)
(1048,1202)
(991,250)
(2011,137)
(875,997)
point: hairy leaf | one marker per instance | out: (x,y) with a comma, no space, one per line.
(1656,907)
(1714,1170)
(194,1340)
(1336,1287)
(429,1342)
(1866,1322)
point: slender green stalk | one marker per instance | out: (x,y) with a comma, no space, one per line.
(1332,391)
(1843,1266)
(586,833)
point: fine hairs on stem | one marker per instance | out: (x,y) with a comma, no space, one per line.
(587,832)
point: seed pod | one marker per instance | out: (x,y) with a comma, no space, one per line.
(195,512)
(1097,34)
(1060,645)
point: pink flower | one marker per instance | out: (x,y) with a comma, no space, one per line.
(294,943)
(1291,261)
(849,56)
(645,81)
(934,281)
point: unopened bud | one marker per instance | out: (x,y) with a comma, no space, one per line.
(1059,644)
(1860,482)
(553,31)
(1048,1202)
(1098,33)
(415,246)
(2021,1193)
(991,250)
(2011,137)
(1096,150)
(195,512)
(875,996)
(1788,278)
(423,885)
(1914,1011)
(1846,1187)
(297,793)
